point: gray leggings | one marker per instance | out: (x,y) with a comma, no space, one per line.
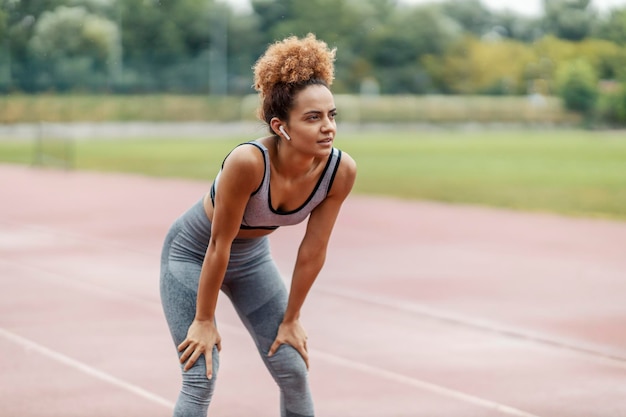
(254,286)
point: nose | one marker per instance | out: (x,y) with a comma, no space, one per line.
(329,125)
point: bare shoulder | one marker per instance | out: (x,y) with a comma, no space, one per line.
(348,164)
(345,176)
(244,155)
(243,167)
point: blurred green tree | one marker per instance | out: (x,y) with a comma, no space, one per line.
(74,48)
(20,17)
(338,22)
(472,66)
(518,27)
(160,35)
(578,86)
(569,19)
(614,27)
(187,46)
(3,24)
(396,48)
(200,46)
(472,15)
(243,46)
(612,107)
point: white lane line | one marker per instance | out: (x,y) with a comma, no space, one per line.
(596,353)
(36,272)
(419,384)
(239,331)
(35,236)
(86,369)
(365,368)
(400,378)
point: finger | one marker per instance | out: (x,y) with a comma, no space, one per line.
(274,347)
(192,360)
(186,354)
(183,345)
(305,355)
(208,356)
(219,345)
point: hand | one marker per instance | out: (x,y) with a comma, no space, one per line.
(293,334)
(201,337)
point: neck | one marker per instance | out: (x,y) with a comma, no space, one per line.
(291,163)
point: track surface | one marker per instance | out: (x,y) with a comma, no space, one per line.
(422,309)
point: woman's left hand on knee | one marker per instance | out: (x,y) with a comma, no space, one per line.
(293,334)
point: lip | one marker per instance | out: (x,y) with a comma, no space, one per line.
(327,141)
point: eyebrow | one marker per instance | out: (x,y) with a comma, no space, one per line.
(319,111)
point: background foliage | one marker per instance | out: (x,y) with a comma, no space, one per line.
(206,47)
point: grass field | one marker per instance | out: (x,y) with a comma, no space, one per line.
(580,173)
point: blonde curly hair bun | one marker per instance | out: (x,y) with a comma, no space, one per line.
(293,61)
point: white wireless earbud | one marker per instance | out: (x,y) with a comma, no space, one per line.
(282,129)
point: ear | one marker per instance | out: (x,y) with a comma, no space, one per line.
(275,125)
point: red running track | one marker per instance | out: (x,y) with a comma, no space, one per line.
(422,309)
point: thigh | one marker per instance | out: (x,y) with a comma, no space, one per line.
(260,298)
(179,291)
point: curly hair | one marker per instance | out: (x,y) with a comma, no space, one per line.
(286,68)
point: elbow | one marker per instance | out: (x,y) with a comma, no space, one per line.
(218,252)
(313,258)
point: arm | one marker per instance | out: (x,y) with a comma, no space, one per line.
(312,255)
(240,176)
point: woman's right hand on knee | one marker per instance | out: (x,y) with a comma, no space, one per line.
(201,337)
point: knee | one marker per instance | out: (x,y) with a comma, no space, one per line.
(289,368)
(196,387)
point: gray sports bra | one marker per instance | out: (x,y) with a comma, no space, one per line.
(260,214)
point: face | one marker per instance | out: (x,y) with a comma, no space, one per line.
(312,125)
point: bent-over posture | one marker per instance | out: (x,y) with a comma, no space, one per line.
(221,242)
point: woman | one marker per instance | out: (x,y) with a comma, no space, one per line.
(221,243)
